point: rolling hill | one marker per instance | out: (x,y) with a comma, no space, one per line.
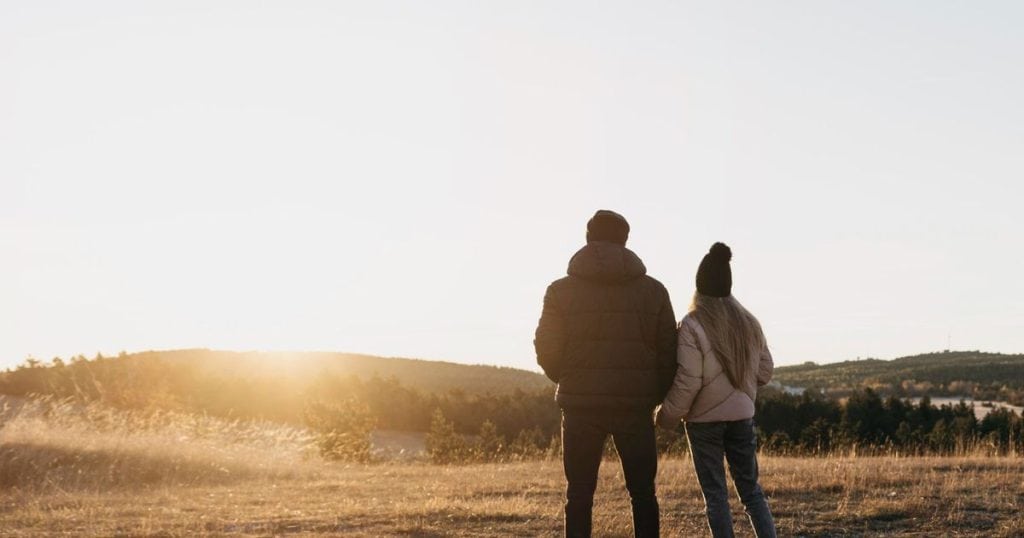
(950,373)
(282,387)
(287,368)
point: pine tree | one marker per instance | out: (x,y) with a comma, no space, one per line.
(527,444)
(905,436)
(489,443)
(941,437)
(444,445)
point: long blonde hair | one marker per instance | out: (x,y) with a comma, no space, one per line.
(735,334)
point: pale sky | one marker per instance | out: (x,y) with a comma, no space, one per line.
(405,178)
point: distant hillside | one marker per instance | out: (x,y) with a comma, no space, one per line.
(402,393)
(424,375)
(952,373)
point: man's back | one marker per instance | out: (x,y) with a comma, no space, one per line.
(607,334)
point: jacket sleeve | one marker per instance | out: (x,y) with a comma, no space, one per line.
(688,379)
(667,342)
(765,367)
(549,340)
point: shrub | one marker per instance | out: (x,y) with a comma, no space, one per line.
(529,444)
(342,429)
(489,445)
(444,444)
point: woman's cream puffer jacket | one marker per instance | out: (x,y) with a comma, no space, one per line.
(701,392)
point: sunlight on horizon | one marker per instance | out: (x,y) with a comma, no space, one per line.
(404,179)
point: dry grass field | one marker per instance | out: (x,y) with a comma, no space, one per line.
(67,471)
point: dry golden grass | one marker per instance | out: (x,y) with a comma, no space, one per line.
(70,474)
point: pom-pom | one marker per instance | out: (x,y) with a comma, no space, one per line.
(721,251)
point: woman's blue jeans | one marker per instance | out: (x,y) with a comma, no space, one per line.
(734,441)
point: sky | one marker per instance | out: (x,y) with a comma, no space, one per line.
(404,178)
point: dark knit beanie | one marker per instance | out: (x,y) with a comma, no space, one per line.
(714,276)
(607,225)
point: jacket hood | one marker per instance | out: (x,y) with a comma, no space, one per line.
(606,262)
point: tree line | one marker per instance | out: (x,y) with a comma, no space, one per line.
(814,424)
(343,410)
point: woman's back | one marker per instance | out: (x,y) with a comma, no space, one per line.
(722,356)
(717,398)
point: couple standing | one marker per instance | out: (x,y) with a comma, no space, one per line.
(609,338)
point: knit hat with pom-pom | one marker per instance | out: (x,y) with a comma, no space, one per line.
(714,276)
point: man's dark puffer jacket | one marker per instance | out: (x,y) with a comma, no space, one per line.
(607,334)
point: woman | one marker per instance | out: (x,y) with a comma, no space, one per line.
(722,359)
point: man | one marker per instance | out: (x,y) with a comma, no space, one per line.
(607,336)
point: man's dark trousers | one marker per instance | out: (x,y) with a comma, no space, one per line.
(583,438)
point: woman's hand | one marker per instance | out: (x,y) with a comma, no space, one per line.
(663,420)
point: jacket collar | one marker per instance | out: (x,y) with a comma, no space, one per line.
(602,261)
